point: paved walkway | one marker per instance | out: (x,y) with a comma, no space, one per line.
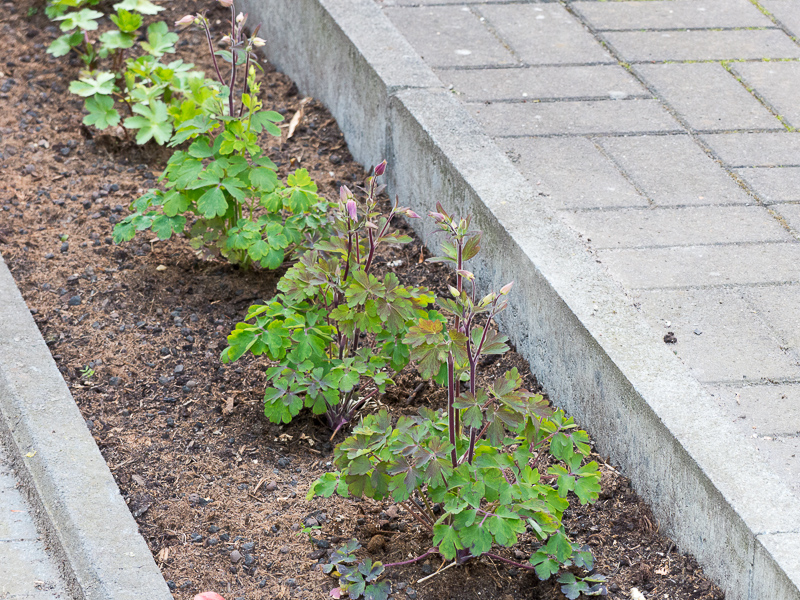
(662,132)
(27,570)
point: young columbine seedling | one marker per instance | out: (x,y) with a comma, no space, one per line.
(336,329)
(498,461)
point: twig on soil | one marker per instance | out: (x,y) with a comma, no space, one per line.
(414,394)
(442,570)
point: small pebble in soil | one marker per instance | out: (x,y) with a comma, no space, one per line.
(65,247)
(236,556)
(376,543)
(400,586)
(262,583)
(271,487)
(196,538)
(248,547)
(411,593)
(291,582)
(427,568)
(225,537)
(274,529)
(317,554)
(213,529)
(172,585)
(285,550)
(170,422)
(177,370)
(74,301)
(324,544)
(212,541)
(311,522)
(114,381)
(249,560)
(283,462)
(49,255)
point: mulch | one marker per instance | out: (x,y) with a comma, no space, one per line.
(136,330)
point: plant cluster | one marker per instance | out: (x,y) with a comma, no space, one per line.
(336,329)
(497,462)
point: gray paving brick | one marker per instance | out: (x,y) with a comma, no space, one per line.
(449,36)
(704,265)
(702,45)
(545,34)
(677,226)
(773,184)
(15,520)
(756,149)
(429,2)
(24,563)
(729,337)
(786,11)
(674,170)
(779,306)
(574,118)
(778,83)
(708,97)
(572,171)
(610,81)
(677,14)
(754,407)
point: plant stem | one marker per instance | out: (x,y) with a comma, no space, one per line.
(234,41)
(413,560)
(211,49)
(509,561)
(451,410)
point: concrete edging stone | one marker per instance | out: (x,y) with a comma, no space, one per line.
(76,500)
(584,338)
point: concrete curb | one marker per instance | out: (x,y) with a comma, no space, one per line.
(77,503)
(585,340)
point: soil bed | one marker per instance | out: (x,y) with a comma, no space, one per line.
(218,491)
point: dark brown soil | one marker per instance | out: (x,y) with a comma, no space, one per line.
(201,469)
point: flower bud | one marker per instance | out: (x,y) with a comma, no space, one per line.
(466,274)
(488,298)
(454,291)
(344,193)
(439,217)
(258,42)
(411,214)
(226,3)
(225,40)
(380,169)
(241,18)
(185,20)
(506,288)
(352,209)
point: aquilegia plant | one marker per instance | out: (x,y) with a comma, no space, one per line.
(229,190)
(336,330)
(498,461)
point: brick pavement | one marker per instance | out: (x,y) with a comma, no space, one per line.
(662,132)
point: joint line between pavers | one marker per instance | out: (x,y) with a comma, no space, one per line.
(623,171)
(546,100)
(523,65)
(774,19)
(714,286)
(707,60)
(13,540)
(667,29)
(487,24)
(726,64)
(778,532)
(628,208)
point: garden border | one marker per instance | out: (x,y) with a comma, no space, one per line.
(76,501)
(586,342)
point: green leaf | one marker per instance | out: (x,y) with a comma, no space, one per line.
(152,123)
(102,84)
(144,7)
(126,21)
(63,44)
(85,19)
(477,538)
(163,226)
(160,40)
(102,113)
(446,538)
(212,203)
(378,591)
(116,40)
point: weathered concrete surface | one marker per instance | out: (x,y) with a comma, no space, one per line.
(598,354)
(77,504)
